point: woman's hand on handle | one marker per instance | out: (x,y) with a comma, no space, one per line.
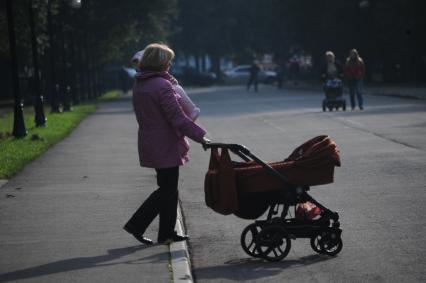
(205,142)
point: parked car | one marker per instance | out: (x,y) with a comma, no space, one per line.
(191,76)
(240,75)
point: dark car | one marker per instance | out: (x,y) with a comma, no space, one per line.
(191,76)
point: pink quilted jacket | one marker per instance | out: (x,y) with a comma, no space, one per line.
(162,123)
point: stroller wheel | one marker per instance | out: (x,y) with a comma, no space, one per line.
(315,245)
(273,243)
(248,239)
(331,244)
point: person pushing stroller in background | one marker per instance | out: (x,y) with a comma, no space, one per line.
(331,68)
(331,72)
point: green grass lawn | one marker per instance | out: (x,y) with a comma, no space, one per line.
(16,153)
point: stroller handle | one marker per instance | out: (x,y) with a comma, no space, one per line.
(231,146)
(246,155)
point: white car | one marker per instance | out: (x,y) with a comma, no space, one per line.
(240,75)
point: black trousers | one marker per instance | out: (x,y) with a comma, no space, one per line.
(162,201)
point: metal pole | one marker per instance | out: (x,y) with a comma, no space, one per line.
(40,119)
(81,69)
(89,69)
(19,130)
(95,72)
(66,88)
(75,88)
(54,87)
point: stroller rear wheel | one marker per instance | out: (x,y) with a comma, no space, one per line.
(248,239)
(273,243)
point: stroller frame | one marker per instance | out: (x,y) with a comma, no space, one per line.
(270,239)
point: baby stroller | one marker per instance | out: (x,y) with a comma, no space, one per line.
(248,189)
(333,89)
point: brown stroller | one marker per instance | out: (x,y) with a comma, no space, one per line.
(247,189)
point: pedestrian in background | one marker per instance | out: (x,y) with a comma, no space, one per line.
(280,75)
(161,142)
(254,74)
(354,73)
(331,68)
(294,70)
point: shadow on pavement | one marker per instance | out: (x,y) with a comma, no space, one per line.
(83,263)
(252,268)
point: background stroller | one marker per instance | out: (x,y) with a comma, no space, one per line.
(333,90)
(248,189)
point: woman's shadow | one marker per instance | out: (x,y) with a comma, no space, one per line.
(82,263)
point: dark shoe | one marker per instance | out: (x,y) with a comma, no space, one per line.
(138,236)
(361,108)
(143,240)
(174,238)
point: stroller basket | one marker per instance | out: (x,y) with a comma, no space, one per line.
(247,188)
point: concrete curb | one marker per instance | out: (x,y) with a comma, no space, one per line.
(180,260)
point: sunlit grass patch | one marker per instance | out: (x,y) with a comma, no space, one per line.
(16,153)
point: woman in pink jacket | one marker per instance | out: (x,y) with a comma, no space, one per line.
(161,142)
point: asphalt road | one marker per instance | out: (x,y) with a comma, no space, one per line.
(379,191)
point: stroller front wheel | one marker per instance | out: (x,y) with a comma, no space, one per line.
(328,243)
(331,246)
(273,243)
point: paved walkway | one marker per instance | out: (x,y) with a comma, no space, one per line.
(61,218)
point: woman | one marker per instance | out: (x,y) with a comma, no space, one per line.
(161,142)
(188,107)
(331,68)
(354,73)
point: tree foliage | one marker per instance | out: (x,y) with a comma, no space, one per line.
(115,28)
(388,33)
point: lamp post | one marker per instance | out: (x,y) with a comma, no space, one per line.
(19,130)
(75,95)
(69,66)
(66,88)
(40,119)
(54,87)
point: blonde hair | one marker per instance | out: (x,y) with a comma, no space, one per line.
(357,59)
(156,57)
(330,53)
